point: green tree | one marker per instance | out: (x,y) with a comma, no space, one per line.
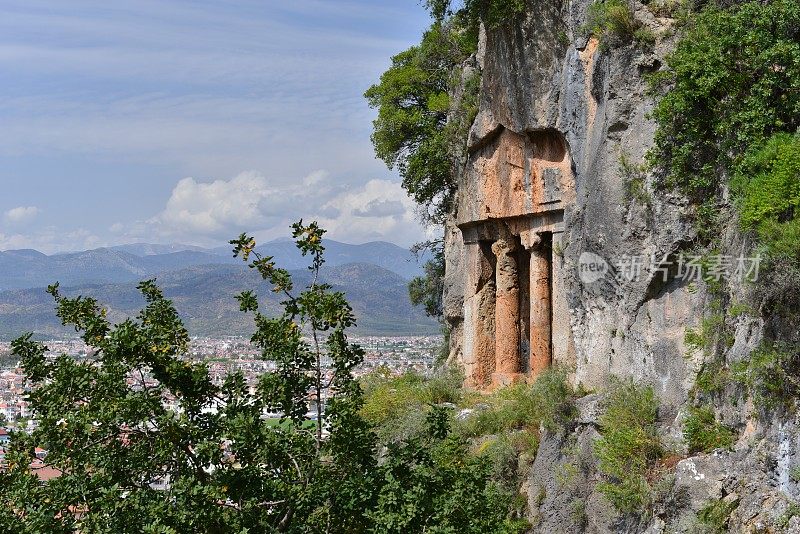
(413,101)
(491,12)
(222,466)
(732,82)
(426,290)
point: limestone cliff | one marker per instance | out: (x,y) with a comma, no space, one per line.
(550,184)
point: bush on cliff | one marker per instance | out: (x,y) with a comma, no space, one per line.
(703,433)
(612,22)
(731,84)
(629,446)
(770,375)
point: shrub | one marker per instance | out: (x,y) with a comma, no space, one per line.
(432,483)
(714,516)
(629,446)
(768,196)
(793,509)
(612,22)
(554,399)
(506,409)
(397,405)
(633,176)
(501,455)
(492,12)
(703,433)
(768,184)
(770,375)
(712,378)
(711,331)
(386,396)
(549,402)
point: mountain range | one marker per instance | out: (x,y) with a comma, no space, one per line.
(202,284)
(22,269)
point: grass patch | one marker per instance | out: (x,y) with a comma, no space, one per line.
(549,402)
(629,447)
(703,433)
(714,516)
(634,179)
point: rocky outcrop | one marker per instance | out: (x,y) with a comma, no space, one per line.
(554,154)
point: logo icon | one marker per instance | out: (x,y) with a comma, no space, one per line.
(591,267)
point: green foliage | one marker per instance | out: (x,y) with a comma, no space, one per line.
(768,183)
(703,433)
(397,405)
(549,402)
(770,375)
(502,456)
(613,23)
(427,290)
(669,8)
(629,446)
(504,426)
(491,12)
(433,484)
(412,99)
(794,474)
(578,513)
(792,510)
(767,188)
(634,178)
(732,79)
(712,378)
(714,516)
(227,467)
(645,37)
(712,329)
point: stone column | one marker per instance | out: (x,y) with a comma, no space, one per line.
(508,366)
(541,314)
(479,305)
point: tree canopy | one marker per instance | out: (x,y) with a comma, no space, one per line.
(127,461)
(413,101)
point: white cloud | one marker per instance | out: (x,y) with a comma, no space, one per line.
(248,201)
(206,213)
(202,90)
(378,211)
(208,208)
(51,239)
(21,214)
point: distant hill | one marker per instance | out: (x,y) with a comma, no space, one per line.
(22,269)
(204,296)
(150,249)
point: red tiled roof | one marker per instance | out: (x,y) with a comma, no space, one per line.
(45,472)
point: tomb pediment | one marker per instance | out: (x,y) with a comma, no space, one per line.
(517,175)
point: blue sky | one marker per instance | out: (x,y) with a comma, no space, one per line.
(173,121)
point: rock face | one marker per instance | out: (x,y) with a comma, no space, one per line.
(556,116)
(559,252)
